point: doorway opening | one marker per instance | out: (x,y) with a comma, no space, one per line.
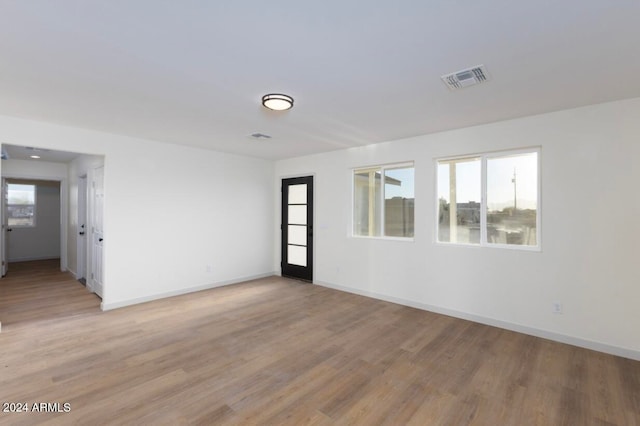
(79,179)
(32,221)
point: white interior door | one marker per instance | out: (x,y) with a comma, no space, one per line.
(81,268)
(96,229)
(4,235)
(4,219)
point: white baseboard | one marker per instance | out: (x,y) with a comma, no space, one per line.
(30,258)
(121,304)
(545,334)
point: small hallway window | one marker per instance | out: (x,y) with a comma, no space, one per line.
(21,205)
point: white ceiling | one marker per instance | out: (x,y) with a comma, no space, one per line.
(192,72)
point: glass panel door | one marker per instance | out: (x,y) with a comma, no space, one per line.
(297,227)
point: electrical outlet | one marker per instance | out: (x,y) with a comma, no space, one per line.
(556,307)
(209,269)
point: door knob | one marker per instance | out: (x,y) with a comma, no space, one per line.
(81,233)
(100,239)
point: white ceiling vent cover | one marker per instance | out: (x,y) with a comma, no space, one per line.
(465,78)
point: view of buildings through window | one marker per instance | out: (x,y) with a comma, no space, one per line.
(21,204)
(459,195)
(510,211)
(395,216)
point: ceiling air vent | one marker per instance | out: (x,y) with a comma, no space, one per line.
(465,78)
(260,136)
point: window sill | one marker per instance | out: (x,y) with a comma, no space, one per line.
(491,246)
(402,239)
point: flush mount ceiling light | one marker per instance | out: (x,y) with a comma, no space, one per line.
(277,101)
(34,156)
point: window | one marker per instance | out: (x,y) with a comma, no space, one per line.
(21,205)
(384,201)
(459,195)
(489,199)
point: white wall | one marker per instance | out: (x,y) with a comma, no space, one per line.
(170,211)
(33,169)
(41,241)
(590,230)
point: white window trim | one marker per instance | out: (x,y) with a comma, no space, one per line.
(484,156)
(382,168)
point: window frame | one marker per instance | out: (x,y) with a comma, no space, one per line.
(381,168)
(484,157)
(35,206)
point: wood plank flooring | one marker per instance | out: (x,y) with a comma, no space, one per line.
(279,352)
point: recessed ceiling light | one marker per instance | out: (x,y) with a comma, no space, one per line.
(35,156)
(277,101)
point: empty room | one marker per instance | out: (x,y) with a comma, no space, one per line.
(285,213)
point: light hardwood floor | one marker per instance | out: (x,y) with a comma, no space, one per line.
(275,351)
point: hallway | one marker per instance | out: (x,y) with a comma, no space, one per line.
(39,291)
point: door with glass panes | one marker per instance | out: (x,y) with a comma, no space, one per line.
(297,228)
